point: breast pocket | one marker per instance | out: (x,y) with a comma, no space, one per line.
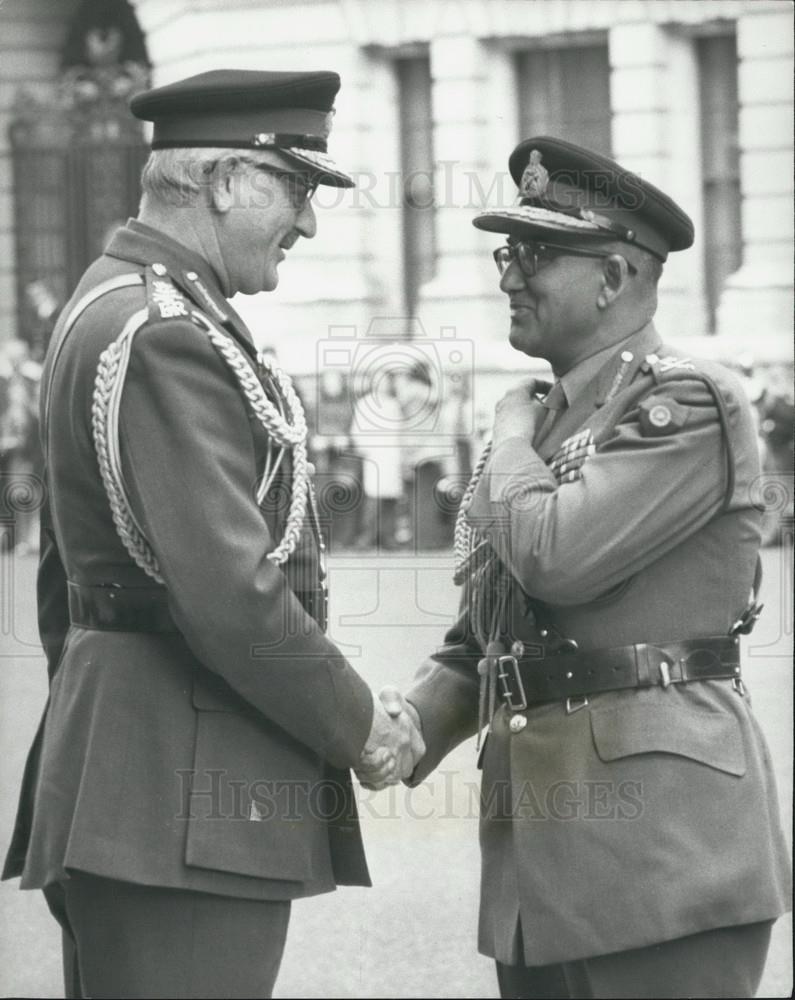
(711,738)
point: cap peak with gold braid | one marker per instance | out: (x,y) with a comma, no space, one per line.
(572,195)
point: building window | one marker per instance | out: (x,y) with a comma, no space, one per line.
(565,92)
(416,161)
(717,63)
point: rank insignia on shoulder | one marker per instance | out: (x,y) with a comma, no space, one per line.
(661,366)
(658,415)
(668,364)
(164,299)
(567,462)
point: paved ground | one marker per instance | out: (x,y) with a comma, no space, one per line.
(413,934)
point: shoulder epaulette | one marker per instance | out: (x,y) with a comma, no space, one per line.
(658,367)
(671,368)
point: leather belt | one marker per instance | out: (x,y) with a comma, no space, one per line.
(114,608)
(120,609)
(526,680)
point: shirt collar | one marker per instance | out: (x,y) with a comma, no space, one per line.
(622,359)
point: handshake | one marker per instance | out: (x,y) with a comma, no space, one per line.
(394,746)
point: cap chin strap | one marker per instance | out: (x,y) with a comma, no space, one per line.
(286,141)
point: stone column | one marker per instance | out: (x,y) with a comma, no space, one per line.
(474,111)
(654,97)
(755,312)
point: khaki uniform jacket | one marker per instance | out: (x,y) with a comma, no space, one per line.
(647,814)
(213,757)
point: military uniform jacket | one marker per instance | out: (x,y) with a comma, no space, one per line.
(648,813)
(214,756)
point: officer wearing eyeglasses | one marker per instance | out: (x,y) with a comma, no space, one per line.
(191,772)
(607,545)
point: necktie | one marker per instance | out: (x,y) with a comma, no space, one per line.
(554,402)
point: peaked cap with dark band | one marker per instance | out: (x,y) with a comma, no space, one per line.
(571,195)
(249,109)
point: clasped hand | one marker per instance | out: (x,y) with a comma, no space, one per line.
(394,746)
(517,412)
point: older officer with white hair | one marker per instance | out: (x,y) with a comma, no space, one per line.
(191,773)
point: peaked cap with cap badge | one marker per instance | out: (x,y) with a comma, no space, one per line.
(249,109)
(570,195)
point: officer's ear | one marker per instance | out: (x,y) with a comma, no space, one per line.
(615,279)
(223,183)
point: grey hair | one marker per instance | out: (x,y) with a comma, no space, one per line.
(177,176)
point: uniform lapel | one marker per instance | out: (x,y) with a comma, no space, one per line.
(613,374)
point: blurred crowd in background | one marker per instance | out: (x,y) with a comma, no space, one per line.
(21,459)
(393,452)
(393,449)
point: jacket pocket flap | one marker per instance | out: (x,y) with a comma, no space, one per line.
(239,820)
(271,848)
(711,738)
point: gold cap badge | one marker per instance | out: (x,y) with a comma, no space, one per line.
(535,177)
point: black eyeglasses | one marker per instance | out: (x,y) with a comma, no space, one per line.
(301,189)
(534,257)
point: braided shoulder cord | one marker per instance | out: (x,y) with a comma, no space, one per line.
(108,385)
(287,432)
(112,368)
(467,540)
(477,562)
(301,482)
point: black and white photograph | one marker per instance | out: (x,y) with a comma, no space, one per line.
(396,498)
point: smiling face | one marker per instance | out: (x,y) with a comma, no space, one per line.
(262,214)
(554,313)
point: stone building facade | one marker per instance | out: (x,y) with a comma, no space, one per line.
(695,96)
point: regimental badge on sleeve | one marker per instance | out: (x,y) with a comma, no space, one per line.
(658,415)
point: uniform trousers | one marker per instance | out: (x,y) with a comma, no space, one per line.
(126,940)
(726,962)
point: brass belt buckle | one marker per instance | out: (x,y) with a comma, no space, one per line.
(504,679)
(575,704)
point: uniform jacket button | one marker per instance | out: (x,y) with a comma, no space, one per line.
(517,723)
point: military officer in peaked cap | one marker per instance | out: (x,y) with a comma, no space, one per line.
(191,774)
(631,843)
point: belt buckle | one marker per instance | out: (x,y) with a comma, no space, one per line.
(504,679)
(575,704)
